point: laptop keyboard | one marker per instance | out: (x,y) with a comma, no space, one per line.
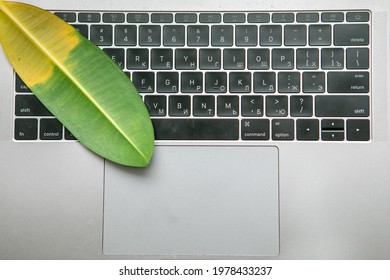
(242,77)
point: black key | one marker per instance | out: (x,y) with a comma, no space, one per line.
(295,35)
(270,35)
(222,35)
(144,81)
(283,59)
(332,58)
(125,35)
(289,82)
(162,59)
(50,129)
(216,82)
(307,17)
(234,59)
(210,18)
(307,59)
(168,82)
(358,16)
(258,17)
(186,18)
(308,130)
(320,35)
(210,59)
(282,129)
(150,35)
(162,18)
(26,129)
(89,17)
(204,106)
(186,59)
(301,106)
(357,58)
(240,82)
(137,17)
(264,82)
(358,130)
(234,18)
(192,82)
(198,35)
(156,105)
(82,29)
(282,17)
(348,82)
(29,105)
(276,106)
(313,82)
(117,55)
(20,86)
(332,17)
(332,135)
(69,135)
(252,106)
(332,125)
(246,35)
(227,106)
(101,35)
(351,35)
(174,35)
(179,106)
(342,106)
(114,17)
(137,59)
(196,129)
(255,129)
(66,16)
(258,59)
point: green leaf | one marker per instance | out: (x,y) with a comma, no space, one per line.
(78,83)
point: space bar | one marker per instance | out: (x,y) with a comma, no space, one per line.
(196,129)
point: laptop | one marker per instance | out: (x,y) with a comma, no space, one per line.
(272,137)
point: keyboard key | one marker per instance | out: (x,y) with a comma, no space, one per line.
(210,59)
(301,106)
(50,129)
(144,81)
(203,106)
(117,55)
(295,35)
(192,82)
(320,35)
(227,106)
(137,17)
(125,35)
(282,17)
(264,82)
(240,82)
(179,106)
(26,129)
(156,105)
(357,58)
(186,18)
(66,16)
(332,58)
(174,35)
(137,59)
(210,18)
(289,82)
(358,130)
(246,35)
(332,125)
(351,35)
(348,82)
(255,129)
(162,59)
(276,106)
(69,135)
(149,35)
(307,130)
(258,59)
(313,82)
(332,135)
(216,82)
(222,35)
(196,129)
(307,59)
(162,18)
(186,59)
(89,17)
(307,17)
(270,35)
(358,16)
(234,18)
(29,105)
(82,29)
(234,59)
(20,86)
(198,35)
(101,35)
(283,59)
(282,129)
(114,17)
(258,17)
(168,82)
(252,106)
(342,106)
(332,17)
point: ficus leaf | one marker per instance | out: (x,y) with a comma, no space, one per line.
(78,83)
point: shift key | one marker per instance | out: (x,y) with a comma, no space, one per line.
(348,82)
(342,106)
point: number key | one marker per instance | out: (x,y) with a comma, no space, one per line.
(198,35)
(222,35)
(101,35)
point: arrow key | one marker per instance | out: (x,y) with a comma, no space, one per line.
(308,129)
(358,130)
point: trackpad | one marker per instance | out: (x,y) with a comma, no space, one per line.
(203,200)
